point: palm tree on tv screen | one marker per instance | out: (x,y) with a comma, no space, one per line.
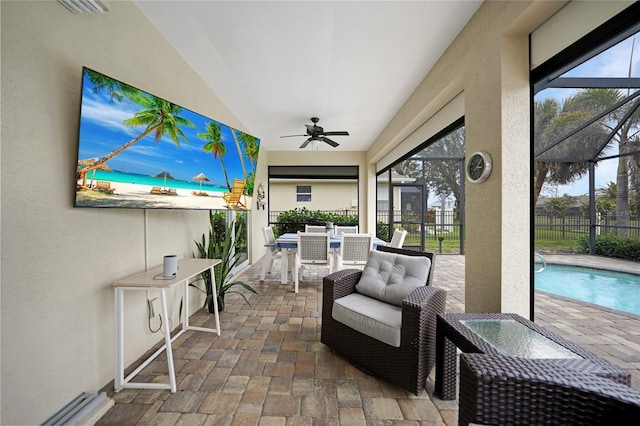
(158,115)
(114,88)
(214,145)
(250,147)
(237,143)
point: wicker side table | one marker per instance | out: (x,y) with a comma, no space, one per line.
(452,332)
(498,390)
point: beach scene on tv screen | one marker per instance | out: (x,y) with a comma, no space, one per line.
(137,150)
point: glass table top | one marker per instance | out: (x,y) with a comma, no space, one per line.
(512,338)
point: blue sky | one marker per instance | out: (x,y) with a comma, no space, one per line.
(102,129)
(613,62)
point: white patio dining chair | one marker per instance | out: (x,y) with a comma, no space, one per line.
(397,240)
(354,250)
(315,228)
(340,229)
(313,251)
(272,252)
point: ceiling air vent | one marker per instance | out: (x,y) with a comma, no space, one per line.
(83,6)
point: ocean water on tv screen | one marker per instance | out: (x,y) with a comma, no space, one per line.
(138,179)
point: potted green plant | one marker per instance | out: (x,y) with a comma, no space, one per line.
(221,244)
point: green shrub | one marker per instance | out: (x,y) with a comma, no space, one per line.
(613,246)
(382,231)
(294,220)
(410,221)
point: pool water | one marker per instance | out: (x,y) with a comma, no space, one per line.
(614,290)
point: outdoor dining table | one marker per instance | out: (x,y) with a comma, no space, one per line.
(288,244)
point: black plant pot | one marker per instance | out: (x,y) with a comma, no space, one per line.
(220,305)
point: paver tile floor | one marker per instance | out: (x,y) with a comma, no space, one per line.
(268,367)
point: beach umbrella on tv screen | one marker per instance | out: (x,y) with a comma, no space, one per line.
(83,164)
(202,178)
(166,175)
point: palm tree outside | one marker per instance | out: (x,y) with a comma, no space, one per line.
(551,122)
(606,198)
(594,101)
(588,125)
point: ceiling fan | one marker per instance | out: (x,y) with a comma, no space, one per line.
(317,133)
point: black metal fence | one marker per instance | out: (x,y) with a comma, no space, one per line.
(442,231)
(573,226)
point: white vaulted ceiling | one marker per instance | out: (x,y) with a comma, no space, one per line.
(275,64)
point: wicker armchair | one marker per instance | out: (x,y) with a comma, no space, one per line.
(497,390)
(407,365)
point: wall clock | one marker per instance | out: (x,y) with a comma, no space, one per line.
(479,166)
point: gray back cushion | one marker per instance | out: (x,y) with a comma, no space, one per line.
(390,277)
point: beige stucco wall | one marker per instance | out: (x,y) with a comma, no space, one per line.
(471,64)
(332,195)
(328,158)
(488,62)
(58,262)
(575,20)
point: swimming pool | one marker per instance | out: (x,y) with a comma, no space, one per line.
(614,290)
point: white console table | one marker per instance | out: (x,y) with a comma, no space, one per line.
(153,280)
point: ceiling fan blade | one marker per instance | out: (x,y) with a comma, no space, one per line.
(329,141)
(304,145)
(292,136)
(317,133)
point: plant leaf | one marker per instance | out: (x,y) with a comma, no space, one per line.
(221,244)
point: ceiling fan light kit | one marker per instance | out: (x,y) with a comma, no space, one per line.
(316,134)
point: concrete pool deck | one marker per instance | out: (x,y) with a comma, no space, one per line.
(592,261)
(609,333)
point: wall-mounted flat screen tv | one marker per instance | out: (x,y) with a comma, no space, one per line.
(137,150)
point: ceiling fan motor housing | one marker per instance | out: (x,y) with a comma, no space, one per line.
(317,133)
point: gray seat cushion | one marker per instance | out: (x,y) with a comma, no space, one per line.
(390,277)
(369,316)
